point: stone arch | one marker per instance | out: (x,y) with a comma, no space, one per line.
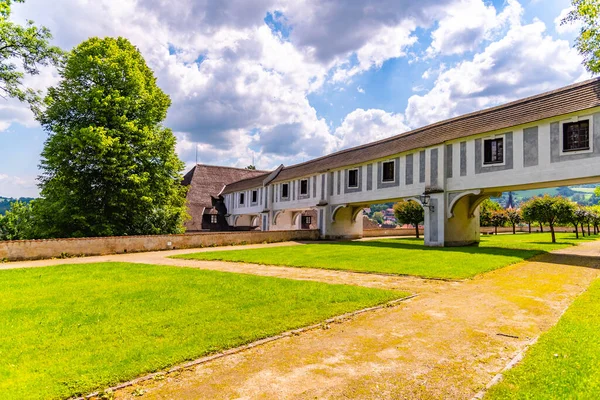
(275,215)
(255,221)
(454,198)
(335,209)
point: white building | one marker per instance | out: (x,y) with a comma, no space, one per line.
(547,140)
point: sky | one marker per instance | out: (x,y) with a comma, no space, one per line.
(284,81)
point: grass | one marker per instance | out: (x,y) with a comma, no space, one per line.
(407,256)
(68,330)
(565,362)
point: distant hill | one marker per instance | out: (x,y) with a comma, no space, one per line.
(5,202)
(581,194)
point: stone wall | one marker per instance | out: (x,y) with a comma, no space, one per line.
(40,249)
(390,232)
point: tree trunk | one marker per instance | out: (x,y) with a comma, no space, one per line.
(582,230)
(589,229)
(576,231)
(552,231)
(514,229)
(529,224)
(595,229)
(495,229)
(541,227)
(417,230)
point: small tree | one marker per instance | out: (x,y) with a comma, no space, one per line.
(527,212)
(485,212)
(498,218)
(378,217)
(18,222)
(579,217)
(514,217)
(553,210)
(409,212)
(594,212)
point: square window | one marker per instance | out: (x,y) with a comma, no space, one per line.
(576,136)
(254,196)
(242,195)
(304,186)
(306,220)
(353,178)
(493,151)
(388,171)
(213,219)
(285,190)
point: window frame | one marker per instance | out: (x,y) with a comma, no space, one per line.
(287,188)
(493,163)
(305,193)
(254,197)
(214,219)
(306,220)
(576,120)
(348,183)
(383,163)
(242,198)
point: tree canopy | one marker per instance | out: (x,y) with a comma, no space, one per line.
(549,210)
(409,212)
(109,165)
(485,211)
(23,49)
(587,13)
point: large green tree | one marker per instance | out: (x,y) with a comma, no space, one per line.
(551,211)
(23,49)
(587,13)
(109,165)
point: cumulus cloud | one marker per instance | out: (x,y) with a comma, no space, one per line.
(524,62)
(466,25)
(364,126)
(18,186)
(568,27)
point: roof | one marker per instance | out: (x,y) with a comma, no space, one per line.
(205,181)
(568,99)
(577,97)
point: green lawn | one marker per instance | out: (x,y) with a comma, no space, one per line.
(402,256)
(70,329)
(565,362)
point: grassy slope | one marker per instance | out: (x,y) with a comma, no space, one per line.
(70,329)
(402,256)
(565,362)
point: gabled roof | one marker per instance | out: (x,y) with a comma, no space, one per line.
(254,182)
(573,98)
(205,181)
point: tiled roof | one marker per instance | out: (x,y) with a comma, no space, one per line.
(565,100)
(206,180)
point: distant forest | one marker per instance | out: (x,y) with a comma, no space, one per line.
(5,202)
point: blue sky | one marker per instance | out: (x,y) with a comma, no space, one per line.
(284,81)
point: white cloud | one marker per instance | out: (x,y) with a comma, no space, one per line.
(360,90)
(568,27)
(17,186)
(469,23)
(524,62)
(363,126)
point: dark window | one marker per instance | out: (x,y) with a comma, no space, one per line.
(306,220)
(493,152)
(213,219)
(388,171)
(285,189)
(576,136)
(242,198)
(353,178)
(254,196)
(304,186)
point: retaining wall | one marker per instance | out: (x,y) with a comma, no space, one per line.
(39,249)
(390,232)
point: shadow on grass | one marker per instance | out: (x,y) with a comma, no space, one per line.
(542,255)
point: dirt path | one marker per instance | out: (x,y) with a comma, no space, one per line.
(446,343)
